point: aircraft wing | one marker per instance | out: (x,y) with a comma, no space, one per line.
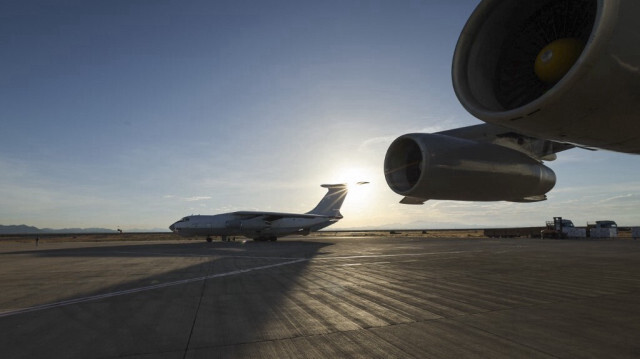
(539,91)
(274,216)
(539,149)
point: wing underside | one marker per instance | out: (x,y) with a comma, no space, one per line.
(539,149)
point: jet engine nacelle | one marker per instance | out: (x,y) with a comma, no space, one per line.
(564,70)
(433,166)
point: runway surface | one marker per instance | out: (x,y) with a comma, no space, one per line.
(323,297)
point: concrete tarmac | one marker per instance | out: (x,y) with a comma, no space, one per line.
(322,297)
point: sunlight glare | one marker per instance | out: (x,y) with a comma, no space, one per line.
(359,196)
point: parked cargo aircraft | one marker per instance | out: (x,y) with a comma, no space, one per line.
(263,226)
(545,76)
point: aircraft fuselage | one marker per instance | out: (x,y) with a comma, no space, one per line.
(241,224)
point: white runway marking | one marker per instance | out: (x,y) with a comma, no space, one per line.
(142,254)
(142,289)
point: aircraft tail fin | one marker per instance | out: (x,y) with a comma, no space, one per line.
(330,204)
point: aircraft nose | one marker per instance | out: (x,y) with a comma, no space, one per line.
(172,227)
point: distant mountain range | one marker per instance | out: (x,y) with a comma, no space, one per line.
(24,229)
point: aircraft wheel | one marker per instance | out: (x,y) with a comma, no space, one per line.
(273,239)
(209,239)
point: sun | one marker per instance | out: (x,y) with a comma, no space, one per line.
(357,180)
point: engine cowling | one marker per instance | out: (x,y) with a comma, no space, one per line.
(434,166)
(565,70)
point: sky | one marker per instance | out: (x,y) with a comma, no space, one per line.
(132,114)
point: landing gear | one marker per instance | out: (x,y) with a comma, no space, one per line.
(264,239)
(209,239)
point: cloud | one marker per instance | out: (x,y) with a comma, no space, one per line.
(196,198)
(630,197)
(374,142)
(187,199)
(436,124)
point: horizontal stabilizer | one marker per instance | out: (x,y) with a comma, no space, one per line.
(337,185)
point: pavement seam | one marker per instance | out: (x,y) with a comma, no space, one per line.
(195,316)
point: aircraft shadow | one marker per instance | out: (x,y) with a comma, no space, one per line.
(210,295)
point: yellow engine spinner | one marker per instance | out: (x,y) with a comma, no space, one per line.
(556,59)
